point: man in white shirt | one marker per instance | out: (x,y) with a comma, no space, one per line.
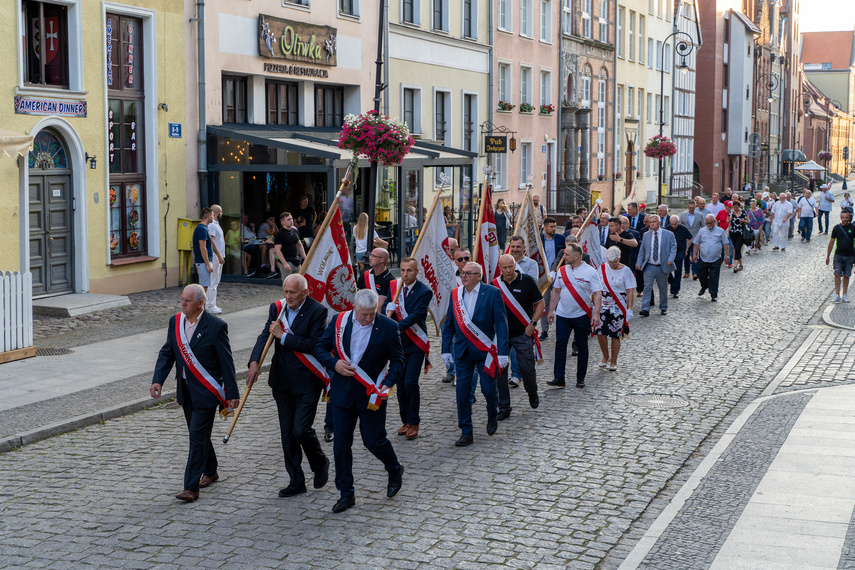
(525,264)
(826,203)
(574,308)
(806,212)
(715,206)
(780,213)
(219,242)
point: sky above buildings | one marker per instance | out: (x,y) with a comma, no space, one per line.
(827,15)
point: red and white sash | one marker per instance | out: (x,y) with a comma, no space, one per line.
(415,332)
(475,335)
(198,371)
(579,300)
(308,360)
(515,307)
(374,390)
(618,300)
(368,280)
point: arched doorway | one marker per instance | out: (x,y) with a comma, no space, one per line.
(51,199)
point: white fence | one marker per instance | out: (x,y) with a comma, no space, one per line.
(16,310)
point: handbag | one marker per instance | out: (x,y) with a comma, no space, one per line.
(748,234)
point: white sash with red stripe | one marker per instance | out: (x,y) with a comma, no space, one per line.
(198,371)
(475,335)
(308,360)
(414,332)
(515,307)
(618,300)
(579,300)
(368,280)
(374,390)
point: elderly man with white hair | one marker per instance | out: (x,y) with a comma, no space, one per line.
(780,212)
(710,246)
(363,349)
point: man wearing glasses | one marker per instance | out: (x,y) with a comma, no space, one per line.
(377,277)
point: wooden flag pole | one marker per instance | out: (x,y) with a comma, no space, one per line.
(579,232)
(477,235)
(345,181)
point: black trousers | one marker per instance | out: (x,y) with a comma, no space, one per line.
(708,274)
(296,416)
(524,347)
(201,460)
(409,395)
(372,426)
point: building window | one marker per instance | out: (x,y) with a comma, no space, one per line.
(604,21)
(658,114)
(666,115)
(525,163)
(630,97)
(526,18)
(525,85)
(234,99)
(349,7)
(640,39)
(618,126)
(619,38)
(297,2)
(649,107)
(470,20)
(282,103)
(650,57)
(440,15)
(329,106)
(441,116)
(601,127)
(46,62)
(650,7)
(410,11)
(506,21)
(586,92)
(631,40)
(412,112)
(586,18)
(125,119)
(545,20)
(500,170)
(667,58)
(545,87)
(504,83)
(567,7)
(640,102)
(659,55)
(470,120)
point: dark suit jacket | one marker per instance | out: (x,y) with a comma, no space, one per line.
(416,304)
(489,316)
(633,251)
(210,344)
(287,372)
(558,242)
(637,223)
(384,346)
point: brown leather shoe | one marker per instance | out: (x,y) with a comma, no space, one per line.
(413,432)
(208,480)
(403,429)
(187,496)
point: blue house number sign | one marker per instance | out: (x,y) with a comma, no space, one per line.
(175,130)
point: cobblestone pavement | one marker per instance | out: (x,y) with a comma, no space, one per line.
(572,484)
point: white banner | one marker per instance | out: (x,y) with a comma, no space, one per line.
(590,242)
(527,228)
(436,268)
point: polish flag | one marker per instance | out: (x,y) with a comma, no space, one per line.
(327,267)
(487,245)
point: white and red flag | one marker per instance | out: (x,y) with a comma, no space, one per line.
(589,238)
(327,267)
(527,228)
(487,242)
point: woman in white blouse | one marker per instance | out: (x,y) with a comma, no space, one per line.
(618,296)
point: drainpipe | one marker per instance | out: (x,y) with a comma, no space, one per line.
(386,60)
(562,82)
(203,127)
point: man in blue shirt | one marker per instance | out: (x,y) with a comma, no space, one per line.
(708,246)
(826,202)
(203,250)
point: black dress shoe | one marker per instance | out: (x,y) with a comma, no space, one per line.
(556,382)
(644,313)
(544,335)
(396,479)
(449,378)
(675,295)
(322,475)
(343,504)
(714,299)
(464,440)
(328,434)
(534,400)
(503,414)
(580,384)
(702,291)
(492,425)
(664,312)
(291,490)
(574,351)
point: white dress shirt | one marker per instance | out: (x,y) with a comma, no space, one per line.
(289,318)
(189,329)
(359,337)
(469,300)
(655,237)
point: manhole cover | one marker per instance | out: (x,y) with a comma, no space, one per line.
(53,351)
(658,401)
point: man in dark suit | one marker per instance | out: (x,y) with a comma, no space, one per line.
(636,218)
(476,319)
(553,246)
(297,323)
(201,389)
(411,311)
(358,345)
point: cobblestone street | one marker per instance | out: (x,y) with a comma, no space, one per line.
(573,484)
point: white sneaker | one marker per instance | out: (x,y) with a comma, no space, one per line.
(215,310)
(514,382)
(836,299)
(845,299)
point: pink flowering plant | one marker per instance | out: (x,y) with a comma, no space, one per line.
(824,155)
(376,137)
(660,147)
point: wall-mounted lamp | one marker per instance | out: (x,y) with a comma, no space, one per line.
(90,160)
(512,144)
(163,106)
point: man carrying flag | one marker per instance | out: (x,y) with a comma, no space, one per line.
(524,307)
(296,379)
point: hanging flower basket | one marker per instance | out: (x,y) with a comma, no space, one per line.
(660,147)
(824,155)
(376,138)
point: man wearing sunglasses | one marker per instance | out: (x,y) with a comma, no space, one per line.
(377,277)
(461,258)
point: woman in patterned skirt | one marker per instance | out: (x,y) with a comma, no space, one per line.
(618,295)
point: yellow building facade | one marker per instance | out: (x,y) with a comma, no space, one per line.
(94,205)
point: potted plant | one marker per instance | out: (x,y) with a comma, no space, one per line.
(376,137)
(547,109)
(824,155)
(601,177)
(526,108)
(660,147)
(618,175)
(506,106)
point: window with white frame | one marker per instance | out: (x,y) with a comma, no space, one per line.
(411,103)
(631,37)
(618,126)
(650,55)
(658,114)
(470,121)
(630,98)
(659,8)
(586,18)
(567,7)
(604,21)
(667,114)
(667,58)
(504,83)
(649,107)
(442,116)
(470,19)
(411,11)
(619,34)
(545,87)
(500,170)
(650,7)
(545,20)
(601,127)
(525,86)
(505,17)
(46,63)
(439,21)
(348,7)
(658,55)
(526,23)
(640,38)
(525,163)
(585,94)
(640,102)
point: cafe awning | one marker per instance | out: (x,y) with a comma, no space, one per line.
(12,143)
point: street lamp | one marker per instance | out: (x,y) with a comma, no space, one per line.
(683,48)
(771,84)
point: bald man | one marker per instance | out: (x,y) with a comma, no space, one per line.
(377,277)
(297,323)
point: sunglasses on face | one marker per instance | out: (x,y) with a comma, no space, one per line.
(463,258)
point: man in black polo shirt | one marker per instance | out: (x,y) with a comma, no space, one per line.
(842,235)
(521,331)
(379,275)
(622,239)
(287,247)
(684,244)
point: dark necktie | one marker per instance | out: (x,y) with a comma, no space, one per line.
(655,247)
(406,290)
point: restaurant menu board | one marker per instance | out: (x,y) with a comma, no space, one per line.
(126,227)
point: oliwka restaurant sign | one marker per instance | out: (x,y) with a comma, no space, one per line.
(296,41)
